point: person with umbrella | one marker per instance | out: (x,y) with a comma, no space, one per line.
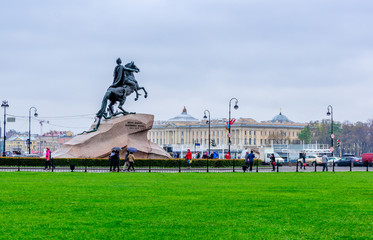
(131,158)
(126,161)
(114,159)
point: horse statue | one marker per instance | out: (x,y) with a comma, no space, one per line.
(130,79)
(118,92)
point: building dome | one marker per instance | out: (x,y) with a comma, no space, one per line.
(280,118)
(183,117)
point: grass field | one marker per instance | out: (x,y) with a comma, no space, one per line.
(186,206)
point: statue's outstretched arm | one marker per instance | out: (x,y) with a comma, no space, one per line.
(130,69)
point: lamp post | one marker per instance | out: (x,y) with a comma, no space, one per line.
(209,122)
(229,123)
(29,127)
(4,105)
(330,113)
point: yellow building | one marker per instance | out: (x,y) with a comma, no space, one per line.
(19,144)
(184,131)
(52,139)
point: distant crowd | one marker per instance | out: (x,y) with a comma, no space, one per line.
(205,155)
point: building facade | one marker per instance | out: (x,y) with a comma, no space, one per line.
(52,139)
(184,131)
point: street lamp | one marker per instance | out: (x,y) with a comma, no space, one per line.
(330,113)
(209,122)
(229,123)
(29,126)
(4,105)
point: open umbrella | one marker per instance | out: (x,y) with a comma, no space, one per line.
(116,149)
(132,149)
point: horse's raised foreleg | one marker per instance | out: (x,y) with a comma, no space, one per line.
(146,93)
(137,94)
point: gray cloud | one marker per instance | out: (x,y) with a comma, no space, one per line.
(296,55)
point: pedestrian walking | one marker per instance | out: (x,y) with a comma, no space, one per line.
(227,156)
(251,157)
(116,161)
(304,160)
(324,162)
(198,155)
(189,158)
(111,160)
(131,160)
(273,162)
(48,159)
(126,161)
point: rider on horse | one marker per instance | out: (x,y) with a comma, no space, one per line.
(120,74)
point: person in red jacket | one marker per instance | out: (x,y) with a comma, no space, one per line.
(227,156)
(48,159)
(189,157)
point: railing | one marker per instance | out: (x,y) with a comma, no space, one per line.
(172,165)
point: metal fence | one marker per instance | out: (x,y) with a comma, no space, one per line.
(178,166)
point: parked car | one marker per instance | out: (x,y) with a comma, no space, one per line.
(32,155)
(346,161)
(311,160)
(278,158)
(367,157)
(331,159)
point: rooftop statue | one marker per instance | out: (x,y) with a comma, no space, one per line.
(124,84)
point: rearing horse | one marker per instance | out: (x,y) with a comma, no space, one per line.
(129,79)
(119,94)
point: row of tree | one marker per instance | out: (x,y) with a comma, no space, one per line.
(355,138)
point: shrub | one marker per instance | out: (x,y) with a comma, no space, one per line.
(104,162)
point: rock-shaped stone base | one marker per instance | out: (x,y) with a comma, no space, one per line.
(121,131)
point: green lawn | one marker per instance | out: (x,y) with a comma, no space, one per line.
(186,205)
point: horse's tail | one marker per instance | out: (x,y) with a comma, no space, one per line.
(101,112)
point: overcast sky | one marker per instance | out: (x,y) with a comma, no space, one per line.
(298,56)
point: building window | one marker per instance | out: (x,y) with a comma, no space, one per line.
(182,141)
(254,141)
(245,140)
(249,141)
(261,141)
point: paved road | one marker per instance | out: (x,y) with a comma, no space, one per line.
(176,170)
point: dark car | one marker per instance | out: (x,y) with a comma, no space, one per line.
(347,161)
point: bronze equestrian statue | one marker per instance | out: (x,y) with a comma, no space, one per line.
(124,84)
